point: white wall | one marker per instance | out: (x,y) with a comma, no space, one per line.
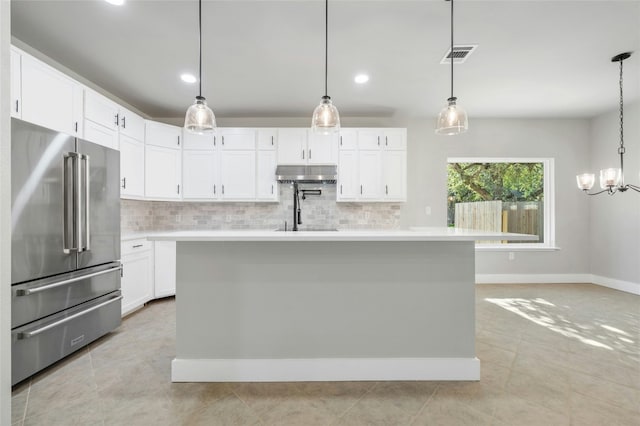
(564,140)
(615,220)
(5,216)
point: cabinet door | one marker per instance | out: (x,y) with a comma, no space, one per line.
(267,186)
(199,175)
(369,139)
(16,103)
(238,175)
(348,188)
(160,134)
(323,149)
(267,139)
(164,283)
(101,135)
(369,166)
(131,168)
(292,144)
(395,139)
(100,110)
(137,281)
(394,175)
(49,98)
(206,141)
(235,139)
(348,139)
(131,124)
(162,172)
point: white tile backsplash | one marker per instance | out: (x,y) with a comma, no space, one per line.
(317,212)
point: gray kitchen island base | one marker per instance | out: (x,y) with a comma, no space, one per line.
(325,310)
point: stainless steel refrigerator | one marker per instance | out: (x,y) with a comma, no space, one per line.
(65,245)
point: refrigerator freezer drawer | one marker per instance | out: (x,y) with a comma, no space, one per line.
(41,343)
(38,299)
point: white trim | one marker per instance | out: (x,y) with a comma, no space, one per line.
(532,278)
(627,286)
(323,369)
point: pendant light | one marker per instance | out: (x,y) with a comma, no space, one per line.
(611,180)
(199,118)
(326,119)
(452,120)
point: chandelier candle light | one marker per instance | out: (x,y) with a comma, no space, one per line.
(452,120)
(612,179)
(199,118)
(326,119)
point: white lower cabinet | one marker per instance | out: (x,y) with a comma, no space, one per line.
(165,269)
(137,274)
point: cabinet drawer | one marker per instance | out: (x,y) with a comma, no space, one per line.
(135,246)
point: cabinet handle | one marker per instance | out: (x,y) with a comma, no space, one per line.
(17,105)
(271,189)
(271,140)
(76,127)
(340,140)
(386,189)
(124,183)
(386,141)
(214,141)
(222,189)
(178,140)
(340,189)
(178,189)
(360,189)
(117,120)
(137,245)
(309,154)
(223,141)
(124,122)
(378,140)
(214,190)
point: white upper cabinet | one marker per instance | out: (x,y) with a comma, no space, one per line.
(160,134)
(50,98)
(16,83)
(323,149)
(238,175)
(369,139)
(292,146)
(267,139)
(100,110)
(395,139)
(131,168)
(348,139)
(101,135)
(266,184)
(348,180)
(162,172)
(244,139)
(205,141)
(131,124)
(199,175)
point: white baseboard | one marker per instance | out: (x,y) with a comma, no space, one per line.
(532,278)
(323,369)
(628,286)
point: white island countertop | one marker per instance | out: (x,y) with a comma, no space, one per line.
(413,234)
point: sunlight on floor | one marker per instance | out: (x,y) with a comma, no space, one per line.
(537,311)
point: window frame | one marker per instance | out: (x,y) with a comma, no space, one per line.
(549,202)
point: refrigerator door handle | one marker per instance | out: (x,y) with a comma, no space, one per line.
(87,199)
(77,189)
(28,291)
(26,335)
(69,200)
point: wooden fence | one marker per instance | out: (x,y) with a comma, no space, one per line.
(523,217)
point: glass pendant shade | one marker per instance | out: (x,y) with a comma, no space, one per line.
(609,178)
(586,181)
(326,119)
(452,120)
(199,118)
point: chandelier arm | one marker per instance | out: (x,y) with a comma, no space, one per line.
(597,193)
(634,187)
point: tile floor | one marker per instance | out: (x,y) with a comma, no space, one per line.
(559,354)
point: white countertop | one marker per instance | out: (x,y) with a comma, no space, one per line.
(413,234)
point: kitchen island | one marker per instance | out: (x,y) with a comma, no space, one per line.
(326,306)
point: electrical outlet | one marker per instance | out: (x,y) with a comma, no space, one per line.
(512,255)
(427,210)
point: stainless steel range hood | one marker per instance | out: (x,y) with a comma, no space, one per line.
(307,174)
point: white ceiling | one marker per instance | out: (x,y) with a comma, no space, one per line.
(265,58)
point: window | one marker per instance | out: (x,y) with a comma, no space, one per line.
(502,194)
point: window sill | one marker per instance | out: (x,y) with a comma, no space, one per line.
(515,247)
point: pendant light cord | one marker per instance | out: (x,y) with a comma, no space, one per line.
(326,44)
(621,112)
(451,53)
(200,46)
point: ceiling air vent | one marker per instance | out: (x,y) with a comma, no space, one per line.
(460,54)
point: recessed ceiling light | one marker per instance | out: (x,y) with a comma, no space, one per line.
(115,2)
(188,78)
(361,78)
